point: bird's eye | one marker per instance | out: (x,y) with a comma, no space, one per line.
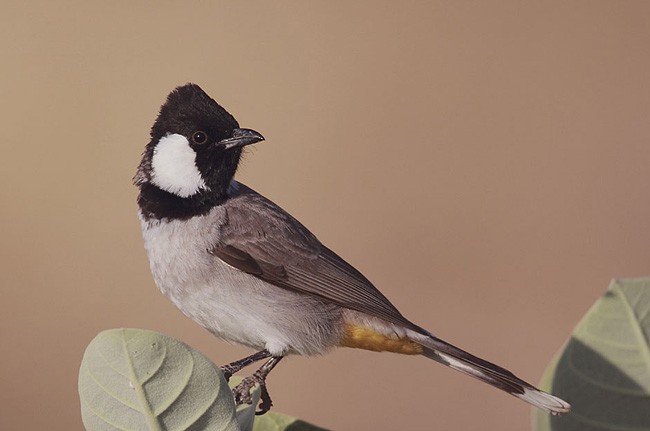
(199,137)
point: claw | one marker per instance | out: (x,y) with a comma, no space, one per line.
(242,392)
(265,401)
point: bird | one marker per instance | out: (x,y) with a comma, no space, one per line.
(250,273)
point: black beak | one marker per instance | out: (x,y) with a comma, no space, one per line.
(241,138)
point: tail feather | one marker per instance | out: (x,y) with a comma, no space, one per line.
(460,360)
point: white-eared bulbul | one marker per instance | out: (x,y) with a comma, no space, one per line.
(250,273)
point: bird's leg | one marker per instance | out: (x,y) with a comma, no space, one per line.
(233,367)
(242,391)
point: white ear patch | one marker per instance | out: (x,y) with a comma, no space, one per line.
(174,166)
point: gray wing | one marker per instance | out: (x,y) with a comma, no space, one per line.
(262,239)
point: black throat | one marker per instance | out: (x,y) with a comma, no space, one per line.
(158,204)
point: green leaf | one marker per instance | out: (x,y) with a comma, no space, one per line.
(139,380)
(270,421)
(273,421)
(604,370)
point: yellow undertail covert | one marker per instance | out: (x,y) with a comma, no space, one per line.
(360,337)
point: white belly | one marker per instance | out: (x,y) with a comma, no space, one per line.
(234,305)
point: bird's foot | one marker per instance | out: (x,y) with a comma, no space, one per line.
(242,392)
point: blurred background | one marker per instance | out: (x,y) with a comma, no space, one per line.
(485,164)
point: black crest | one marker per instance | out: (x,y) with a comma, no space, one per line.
(190,112)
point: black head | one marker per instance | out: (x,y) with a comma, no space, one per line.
(192,157)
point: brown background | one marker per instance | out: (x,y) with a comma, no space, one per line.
(484,163)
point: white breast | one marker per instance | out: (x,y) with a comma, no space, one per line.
(231,304)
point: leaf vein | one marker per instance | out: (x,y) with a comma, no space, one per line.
(203,411)
(150,417)
(636,327)
(106,420)
(108,391)
(158,366)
